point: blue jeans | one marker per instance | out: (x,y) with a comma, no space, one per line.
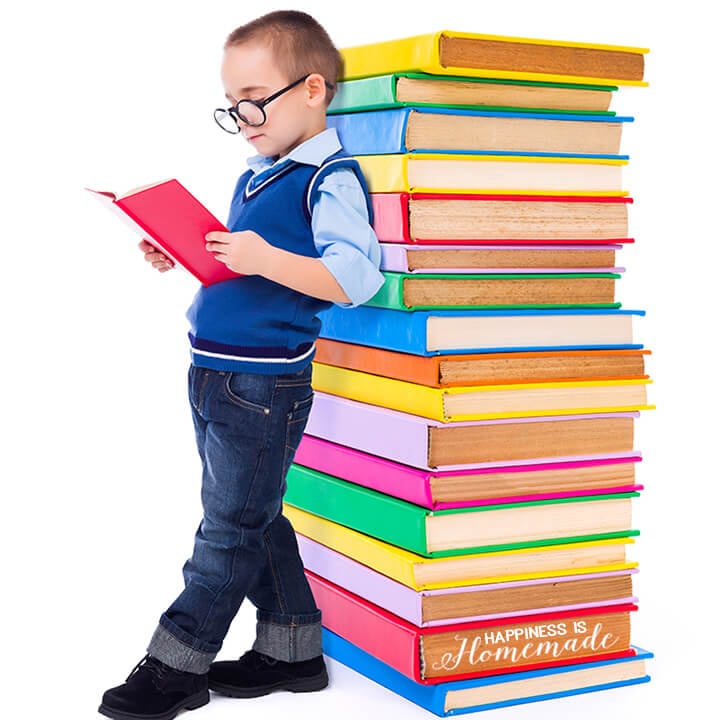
(248,427)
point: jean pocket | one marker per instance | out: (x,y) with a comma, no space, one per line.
(252,392)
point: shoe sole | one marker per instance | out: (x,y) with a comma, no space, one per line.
(310,684)
(191,703)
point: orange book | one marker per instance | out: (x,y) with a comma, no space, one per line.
(485,368)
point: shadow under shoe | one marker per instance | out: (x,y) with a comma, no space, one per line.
(255,674)
(155,690)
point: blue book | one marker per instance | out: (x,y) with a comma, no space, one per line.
(447,332)
(493,691)
(446,130)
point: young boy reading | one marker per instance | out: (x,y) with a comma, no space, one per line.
(301,240)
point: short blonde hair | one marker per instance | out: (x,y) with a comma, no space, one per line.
(300,44)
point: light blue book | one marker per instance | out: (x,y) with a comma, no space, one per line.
(446,332)
(493,691)
(453,130)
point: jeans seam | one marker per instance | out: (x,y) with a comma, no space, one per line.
(276,588)
(238,545)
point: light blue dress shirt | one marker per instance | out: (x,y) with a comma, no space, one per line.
(345,241)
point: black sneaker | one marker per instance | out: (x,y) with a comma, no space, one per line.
(255,674)
(155,690)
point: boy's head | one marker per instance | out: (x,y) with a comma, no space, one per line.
(281,49)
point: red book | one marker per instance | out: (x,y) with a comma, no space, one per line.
(462,651)
(175,222)
(500,219)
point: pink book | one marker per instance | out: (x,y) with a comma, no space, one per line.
(490,601)
(407,439)
(486,486)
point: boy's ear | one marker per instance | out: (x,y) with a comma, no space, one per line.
(316,89)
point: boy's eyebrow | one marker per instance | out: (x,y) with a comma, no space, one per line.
(246,91)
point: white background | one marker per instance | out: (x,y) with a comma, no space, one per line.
(100,481)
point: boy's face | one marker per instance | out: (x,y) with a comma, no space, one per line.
(249,72)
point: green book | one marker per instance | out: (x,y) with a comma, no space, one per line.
(464,530)
(404,89)
(464,291)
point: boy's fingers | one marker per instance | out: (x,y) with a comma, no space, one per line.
(217,236)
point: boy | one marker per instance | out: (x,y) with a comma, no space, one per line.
(301,240)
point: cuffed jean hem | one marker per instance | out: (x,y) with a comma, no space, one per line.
(169,650)
(289,643)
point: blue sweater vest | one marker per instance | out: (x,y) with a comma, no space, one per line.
(249,323)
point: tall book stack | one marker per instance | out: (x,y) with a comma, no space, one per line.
(462,496)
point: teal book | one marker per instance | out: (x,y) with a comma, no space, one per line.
(490,692)
(403,89)
(427,291)
(459,531)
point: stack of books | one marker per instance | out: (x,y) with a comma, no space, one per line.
(463,493)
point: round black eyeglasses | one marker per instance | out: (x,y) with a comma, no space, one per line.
(251,112)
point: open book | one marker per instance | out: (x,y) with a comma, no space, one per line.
(168,216)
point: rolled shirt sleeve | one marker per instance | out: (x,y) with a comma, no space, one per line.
(346,242)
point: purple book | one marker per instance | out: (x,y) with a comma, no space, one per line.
(408,439)
(446,606)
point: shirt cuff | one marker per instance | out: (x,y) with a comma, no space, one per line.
(356,274)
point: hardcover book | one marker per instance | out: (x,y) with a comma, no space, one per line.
(482,174)
(403,89)
(422,573)
(430,332)
(437,489)
(459,531)
(484,368)
(454,218)
(430,444)
(483,402)
(448,52)
(175,222)
(423,291)
(504,259)
(493,691)
(447,606)
(474,649)
(401,130)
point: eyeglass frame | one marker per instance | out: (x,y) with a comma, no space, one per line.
(259,104)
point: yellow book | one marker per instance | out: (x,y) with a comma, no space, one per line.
(422,573)
(447,52)
(483,402)
(478,174)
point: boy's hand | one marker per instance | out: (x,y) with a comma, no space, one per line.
(244,252)
(160,262)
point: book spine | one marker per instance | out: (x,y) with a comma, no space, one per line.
(377,327)
(361,580)
(393,258)
(393,642)
(417,53)
(365,94)
(385,173)
(430,697)
(379,390)
(376,473)
(392,561)
(376,132)
(386,433)
(382,516)
(391,217)
(413,368)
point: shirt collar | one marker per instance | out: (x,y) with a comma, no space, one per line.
(313,151)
